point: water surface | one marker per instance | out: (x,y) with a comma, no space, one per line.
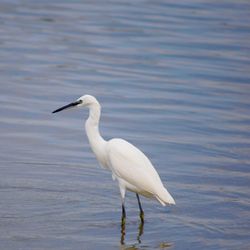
(172,78)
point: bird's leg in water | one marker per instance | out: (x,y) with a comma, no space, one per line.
(141,211)
(123,225)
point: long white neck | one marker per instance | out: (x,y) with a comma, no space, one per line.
(96,141)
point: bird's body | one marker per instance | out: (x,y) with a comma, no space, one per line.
(128,165)
(134,171)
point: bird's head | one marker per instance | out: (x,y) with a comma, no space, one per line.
(83,101)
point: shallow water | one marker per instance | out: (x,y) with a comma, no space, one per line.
(172,78)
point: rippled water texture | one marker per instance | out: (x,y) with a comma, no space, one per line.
(172,77)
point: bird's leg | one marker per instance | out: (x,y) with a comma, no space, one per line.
(123,225)
(123,219)
(141,210)
(123,192)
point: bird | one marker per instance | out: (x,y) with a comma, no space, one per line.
(128,165)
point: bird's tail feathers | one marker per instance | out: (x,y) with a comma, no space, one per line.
(165,198)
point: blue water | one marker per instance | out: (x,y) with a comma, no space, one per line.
(172,78)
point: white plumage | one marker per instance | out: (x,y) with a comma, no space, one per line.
(135,172)
(129,166)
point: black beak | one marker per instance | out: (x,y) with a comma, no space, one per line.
(71,105)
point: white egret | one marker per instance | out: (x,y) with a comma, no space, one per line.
(128,165)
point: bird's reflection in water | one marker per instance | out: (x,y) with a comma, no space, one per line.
(161,245)
(140,231)
(123,231)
